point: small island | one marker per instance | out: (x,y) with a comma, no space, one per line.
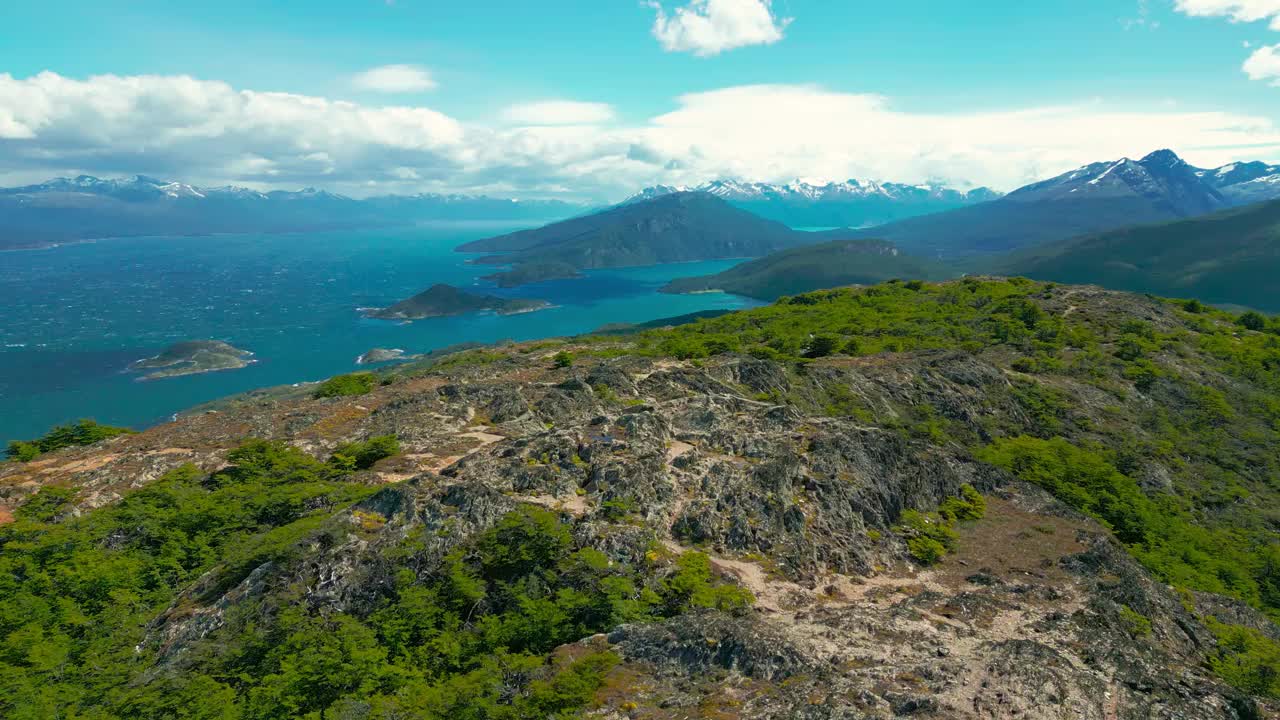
(445,300)
(193,357)
(381,355)
(533,272)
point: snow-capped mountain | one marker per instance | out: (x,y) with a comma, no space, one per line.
(1098,197)
(84,207)
(1243,183)
(853,203)
(136,188)
(1166,181)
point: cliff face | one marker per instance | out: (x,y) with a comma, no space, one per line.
(1031,614)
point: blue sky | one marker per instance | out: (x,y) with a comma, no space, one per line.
(1163,70)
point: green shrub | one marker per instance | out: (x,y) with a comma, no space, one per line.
(931,535)
(693,586)
(361,383)
(82,432)
(364,455)
(1252,321)
(821,346)
(562,359)
(969,506)
(1135,623)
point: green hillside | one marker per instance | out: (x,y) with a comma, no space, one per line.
(1230,258)
(679,227)
(813,267)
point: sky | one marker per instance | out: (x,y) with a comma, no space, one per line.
(595,99)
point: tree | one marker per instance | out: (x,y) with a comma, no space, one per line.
(1251,320)
(821,346)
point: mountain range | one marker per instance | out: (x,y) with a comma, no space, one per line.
(1214,252)
(86,207)
(1094,198)
(853,203)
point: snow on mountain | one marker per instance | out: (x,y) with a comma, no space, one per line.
(798,191)
(1160,179)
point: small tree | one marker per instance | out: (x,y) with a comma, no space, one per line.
(562,359)
(821,346)
(1251,320)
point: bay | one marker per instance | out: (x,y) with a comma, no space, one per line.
(74,317)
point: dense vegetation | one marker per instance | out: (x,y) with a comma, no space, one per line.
(360,383)
(471,640)
(83,432)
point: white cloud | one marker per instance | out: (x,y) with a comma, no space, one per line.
(211,133)
(781,132)
(558,112)
(394,79)
(1236,10)
(709,27)
(1264,64)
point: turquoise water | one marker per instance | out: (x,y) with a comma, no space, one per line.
(76,316)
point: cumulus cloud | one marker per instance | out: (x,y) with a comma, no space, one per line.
(1235,10)
(211,133)
(394,79)
(709,27)
(1264,64)
(181,126)
(779,132)
(558,112)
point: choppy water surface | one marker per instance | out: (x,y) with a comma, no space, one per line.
(74,317)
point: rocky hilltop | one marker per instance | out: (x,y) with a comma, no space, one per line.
(980,499)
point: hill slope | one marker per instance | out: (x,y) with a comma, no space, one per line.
(1232,257)
(958,501)
(1094,198)
(812,267)
(678,227)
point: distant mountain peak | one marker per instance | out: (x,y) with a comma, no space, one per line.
(1163,158)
